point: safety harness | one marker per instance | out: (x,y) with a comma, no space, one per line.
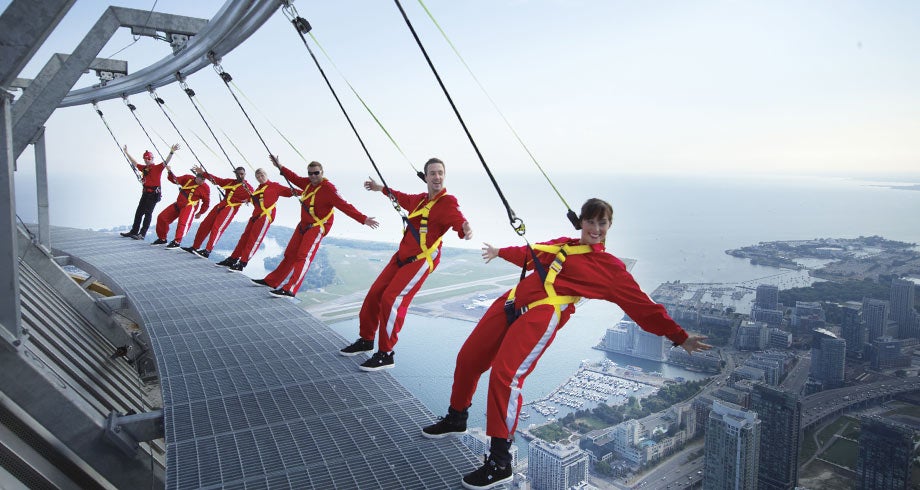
(549,277)
(257,201)
(422,233)
(231,188)
(317,221)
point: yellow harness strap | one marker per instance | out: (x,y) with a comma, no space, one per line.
(561,251)
(427,251)
(231,188)
(265,211)
(317,221)
(191,190)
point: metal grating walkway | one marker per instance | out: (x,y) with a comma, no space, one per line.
(254,393)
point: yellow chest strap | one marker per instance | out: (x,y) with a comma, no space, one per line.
(231,188)
(561,251)
(191,190)
(317,221)
(257,195)
(427,251)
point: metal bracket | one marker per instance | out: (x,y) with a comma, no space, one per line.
(112,304)
(126,431)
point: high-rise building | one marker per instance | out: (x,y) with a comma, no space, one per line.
(852,329)
(807,316)
(884,454)
(732,448)
(889,353)
(828,359)
(752,336)
(767,297)
(478,442)
(875,315)
(552,466)
(780,413)
(628,338)
(902,307)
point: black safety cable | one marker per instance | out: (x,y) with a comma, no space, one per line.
(133,109)
(120,148)
(227,79)
(161,104)
(516,223)
(191,96)
(302,26)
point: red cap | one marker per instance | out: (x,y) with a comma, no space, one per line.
(148,155)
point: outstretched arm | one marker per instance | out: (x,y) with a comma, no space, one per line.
(133,161)
(172,151)
(694,343)
(489,252)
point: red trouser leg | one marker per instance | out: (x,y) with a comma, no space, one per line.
(306,252)
(519,348)
(395,300)
(186,216)
(476,354)
(221,222)
(284,268)
(369,316)
(256,234)
(165,218)
(244,239)
(204,228)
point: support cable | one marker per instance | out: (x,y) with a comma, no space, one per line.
(133,109)
(120,148)
(570,214)
(516,223)
(302,26)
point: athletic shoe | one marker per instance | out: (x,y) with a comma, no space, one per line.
(358,347)
(453,423)
(229,261)
(238,267)
(126,234)
(137,236)
(173,245)
(190,250)
(489,475)
(281,293)
(203,253)
(260,282)
(380,360)
(158,241)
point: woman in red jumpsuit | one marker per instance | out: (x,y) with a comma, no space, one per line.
(516,330)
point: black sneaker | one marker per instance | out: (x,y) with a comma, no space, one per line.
(281,293)
(203,253)
(190,250)
(489,475)
(229,261)
(260,282)
(126,234)
(380,360)
(173,245)
(238,267)
(453,423)
(358,347)
(158,241)
(137,236)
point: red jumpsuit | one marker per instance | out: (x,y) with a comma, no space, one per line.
(216,222)
(316,217)
(512,351)
(387,301)
(190,193)
(264,199)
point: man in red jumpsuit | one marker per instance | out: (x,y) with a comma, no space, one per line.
(419,253)
(317,207)
(516,330)
(194,195)
(264,199)
(237,191)
(150,195)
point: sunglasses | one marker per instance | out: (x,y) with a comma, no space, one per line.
(314,173)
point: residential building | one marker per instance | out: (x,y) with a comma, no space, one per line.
(828,359)
(780,414)
(902,307)
(732,448)
(885,449)
(552,466)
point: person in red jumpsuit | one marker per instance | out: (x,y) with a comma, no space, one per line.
(317,207)
(264,199)
(519,326)
(150,195)
(236,192)
(194,195)
(419,253)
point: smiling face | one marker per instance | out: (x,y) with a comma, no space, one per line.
(261,176)
(434,176)
(596,218)
(315,172)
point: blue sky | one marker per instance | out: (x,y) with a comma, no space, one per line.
(667,87)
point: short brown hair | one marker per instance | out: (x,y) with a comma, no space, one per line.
(596,208)
(433,160)
(314,163)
